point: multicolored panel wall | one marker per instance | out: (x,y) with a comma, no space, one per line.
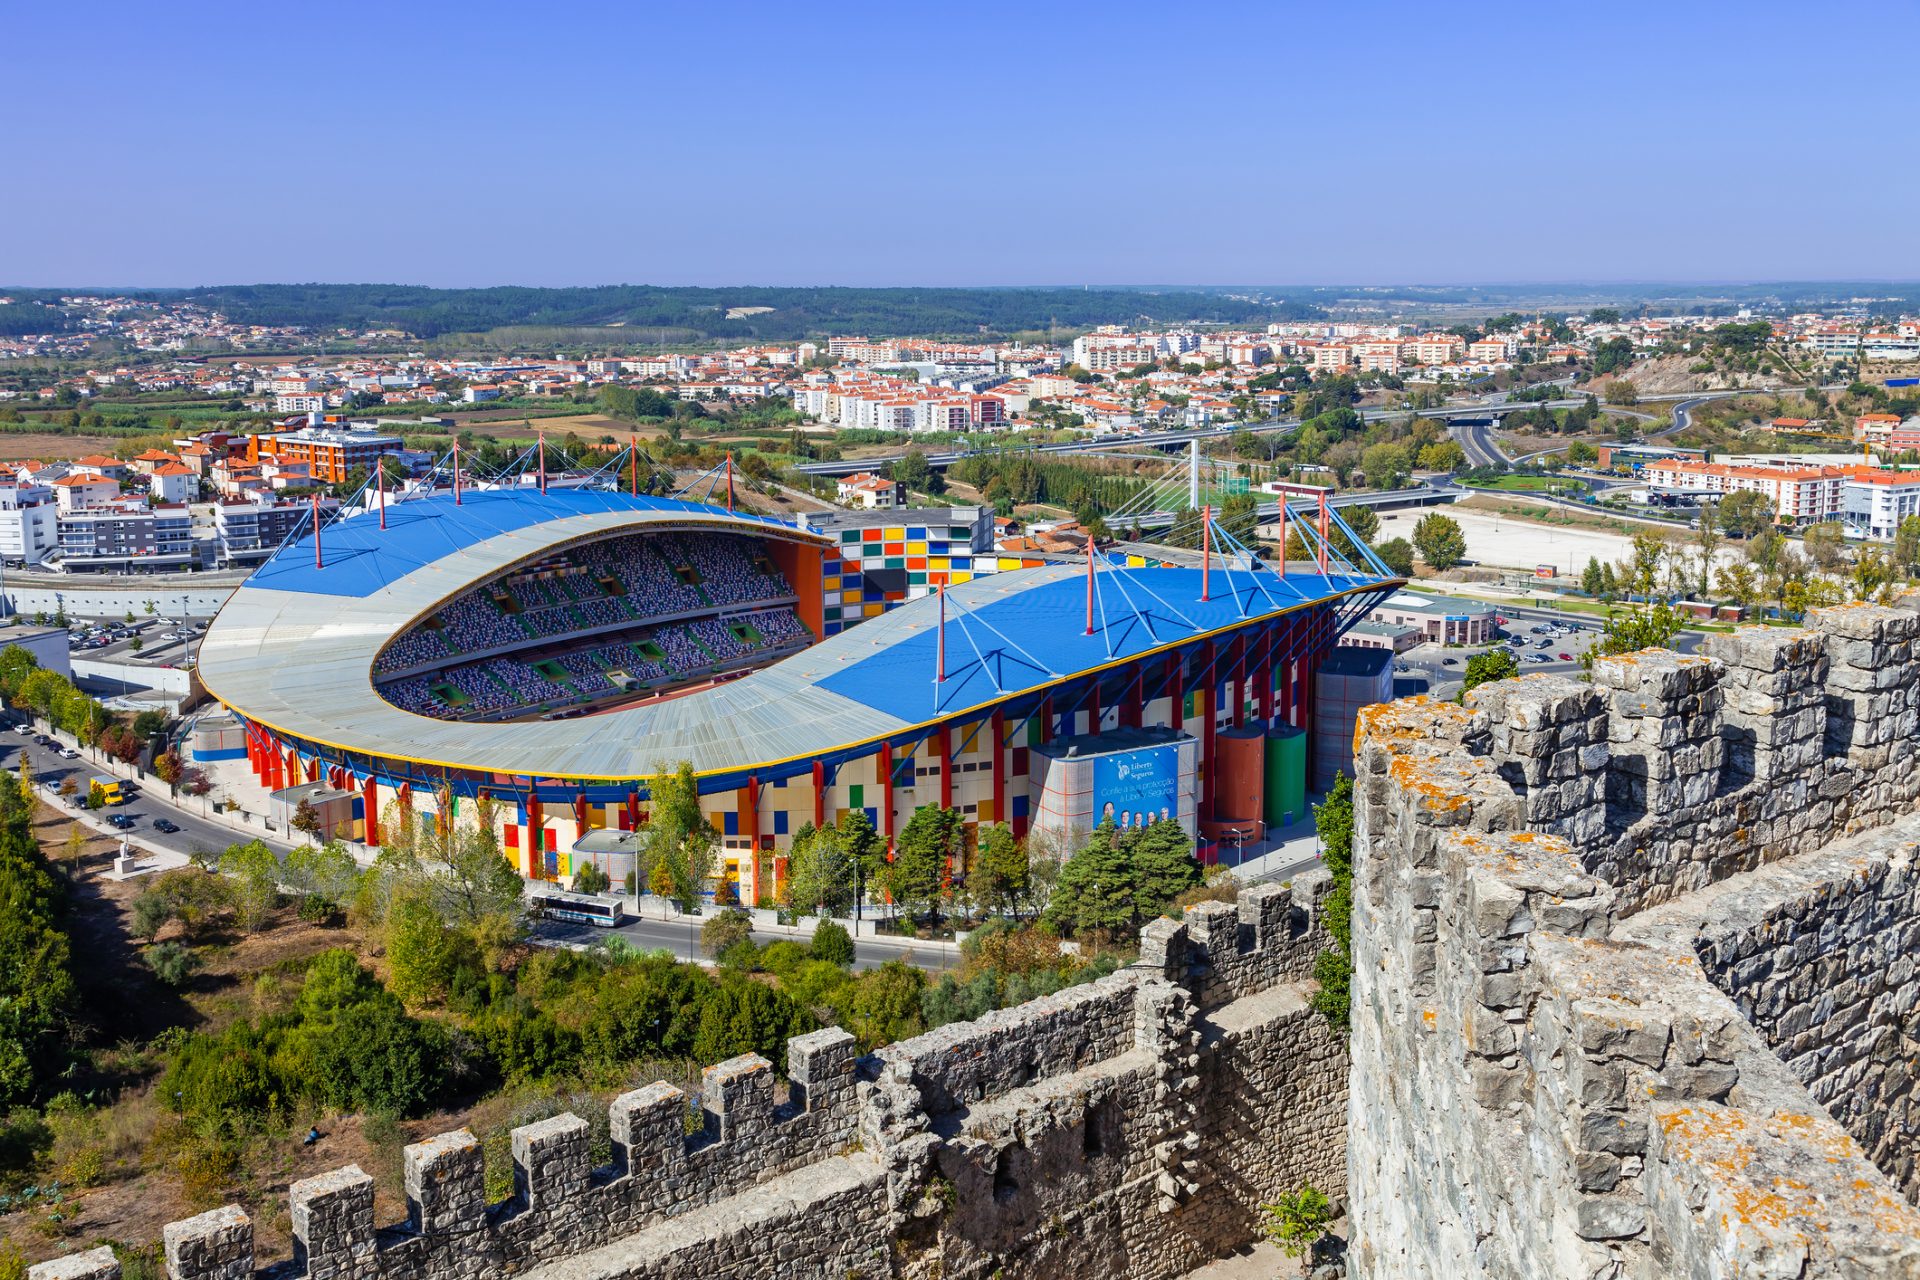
(880,566)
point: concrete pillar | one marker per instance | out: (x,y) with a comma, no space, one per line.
(998,728)
(1204,708)
(536,838)
(750,827)
(1264,674)
(885,760)
(370,802)
(942,742)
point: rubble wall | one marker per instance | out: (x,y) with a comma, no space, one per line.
(1545,1085)
(1129,1127)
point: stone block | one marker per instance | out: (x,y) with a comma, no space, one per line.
(551,1164)
(648,1129)
(94,1264)
(820,1068)
(446,1184)
(738,1097)
(217,1245)
(333,1229)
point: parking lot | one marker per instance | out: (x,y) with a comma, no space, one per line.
(1540,641)
(163,642)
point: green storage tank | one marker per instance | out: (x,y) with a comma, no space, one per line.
(1286,776)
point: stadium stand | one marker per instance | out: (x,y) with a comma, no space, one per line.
(596,587)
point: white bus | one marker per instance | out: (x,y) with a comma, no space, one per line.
(583,908)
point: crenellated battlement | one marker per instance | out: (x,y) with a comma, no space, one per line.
(1013,1141)
(1588,917)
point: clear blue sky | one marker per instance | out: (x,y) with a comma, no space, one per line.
(981,143)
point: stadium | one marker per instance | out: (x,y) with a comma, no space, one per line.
(554,649)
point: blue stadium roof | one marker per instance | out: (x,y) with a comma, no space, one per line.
(294,648)
(1033,632)
(358,557)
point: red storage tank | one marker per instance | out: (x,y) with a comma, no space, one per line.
(1239,775)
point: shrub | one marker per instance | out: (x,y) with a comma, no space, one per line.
(590,879)
(723,930)
(784,957)
(150,913)
(832,943)
(1298,1220)
(172,963)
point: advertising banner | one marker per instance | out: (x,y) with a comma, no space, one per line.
(1135,788)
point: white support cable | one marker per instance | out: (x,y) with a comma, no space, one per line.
(1035,663)
(1189,623)
(1145,616)
(1106,634)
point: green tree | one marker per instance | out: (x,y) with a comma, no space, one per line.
(1397,555)
(1631,630)
(1386,465)
(914,471)
(1906,546)
(1744,513)
(37,991)
(424,957)
(1002,871)
(1439,540)
(724,930)
(832,944)
(1738,585)
(1333,967)
(883,1005)
(1593,579)
(172,963)
(923,859)
(1494,664)
(820,873)
(1119,880)
(256,875)
(679,837)
(1443,455)
(326,872)
(1298,1221)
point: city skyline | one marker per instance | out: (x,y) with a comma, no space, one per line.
(1075,145)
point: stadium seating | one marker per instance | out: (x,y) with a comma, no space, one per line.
(595,588)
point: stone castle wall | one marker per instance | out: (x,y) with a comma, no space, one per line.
(1127,1127)
(1586,916)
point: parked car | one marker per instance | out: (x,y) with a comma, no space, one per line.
(1566,657)
(69,753)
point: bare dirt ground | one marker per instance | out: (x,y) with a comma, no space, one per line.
(15,447)
(1670,373)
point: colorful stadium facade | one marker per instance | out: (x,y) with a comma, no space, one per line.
(939,700)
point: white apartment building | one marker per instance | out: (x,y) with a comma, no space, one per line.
(81,491)
(299,402)
(1800,495)
(1874,502)
(29,524)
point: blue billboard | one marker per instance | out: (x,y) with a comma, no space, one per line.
(1134,788)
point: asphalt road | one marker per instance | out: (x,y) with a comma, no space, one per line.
(681,937)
